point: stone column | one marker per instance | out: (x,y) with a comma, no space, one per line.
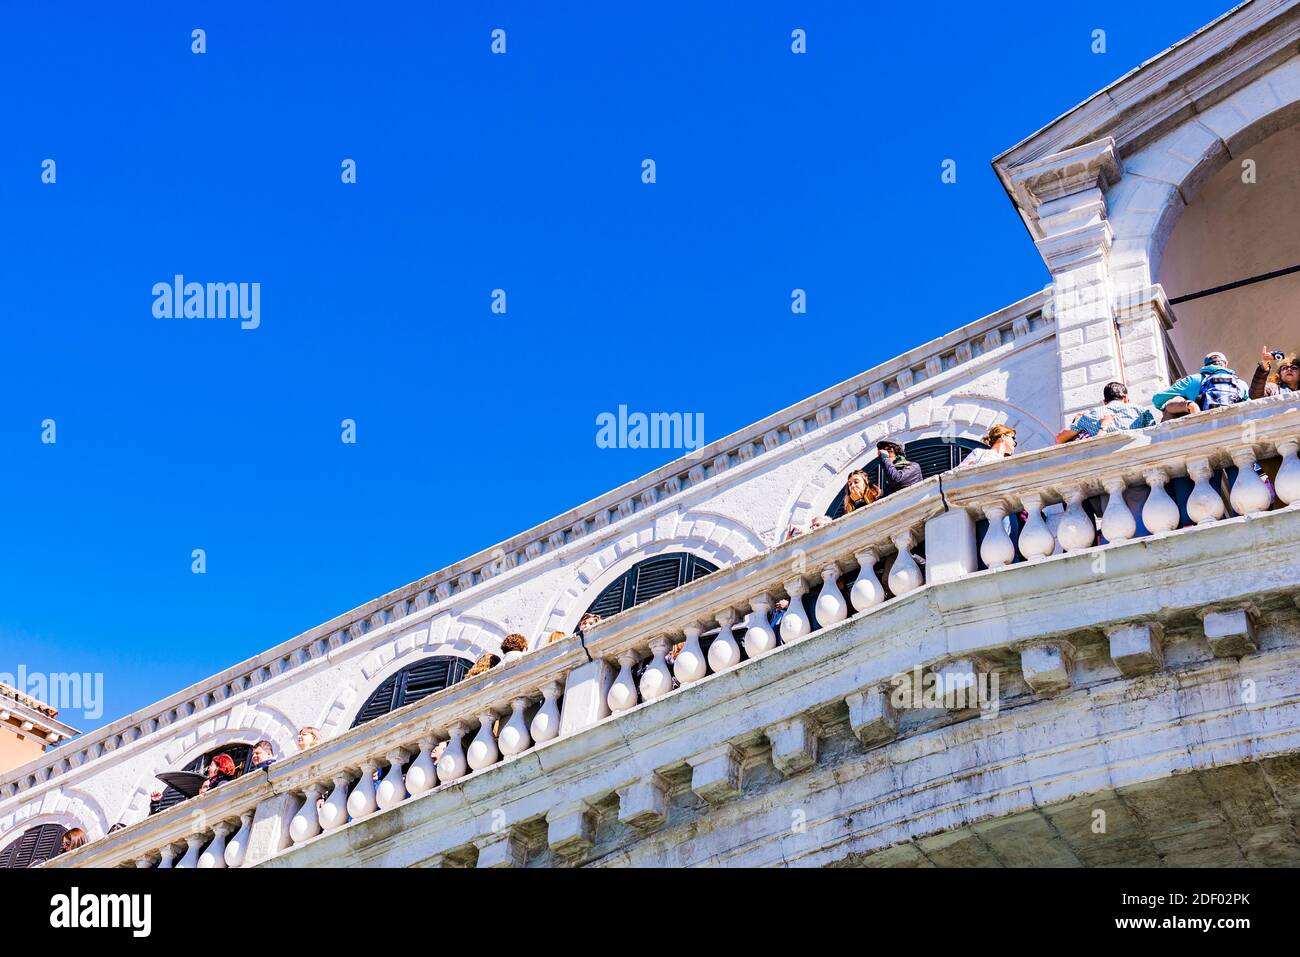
(1062,197)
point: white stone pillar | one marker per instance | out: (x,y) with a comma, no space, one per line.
(585,692)
(1064,203)
(950,548)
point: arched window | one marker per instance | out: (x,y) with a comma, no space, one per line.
(934,455)
(411,684)
(647,579)
(38,843)
(241,754)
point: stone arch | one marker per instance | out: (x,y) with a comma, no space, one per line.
(716,538)
(1161,178)
(243,723)
(1160,182)
(68,807)
(969,415)
(465,636)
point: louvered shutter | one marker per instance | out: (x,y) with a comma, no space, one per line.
(612,600)
(37,843)
(241,754)
(649,579)
(411,684)
(655,576)
(380,702)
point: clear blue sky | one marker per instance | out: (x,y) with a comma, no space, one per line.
(475,171)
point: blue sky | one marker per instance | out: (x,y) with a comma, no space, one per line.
(474,172)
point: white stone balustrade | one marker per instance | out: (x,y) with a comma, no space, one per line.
(486,721)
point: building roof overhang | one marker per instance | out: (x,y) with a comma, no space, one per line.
(28,718)
(1158,95)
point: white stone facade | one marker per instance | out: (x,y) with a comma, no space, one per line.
(1100,190)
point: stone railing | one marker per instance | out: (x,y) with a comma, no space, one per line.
(1014,327)
(557,690)
(561,690)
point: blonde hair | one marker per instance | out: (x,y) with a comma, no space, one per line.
(556,636)
(996,433)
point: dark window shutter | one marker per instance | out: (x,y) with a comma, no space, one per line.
(37,843)
(241,754)
(611,600)
(411,684)
(649,579)
(655,576)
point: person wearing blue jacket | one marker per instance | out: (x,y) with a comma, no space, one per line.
(1214,386)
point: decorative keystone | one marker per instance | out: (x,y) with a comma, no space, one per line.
(506,849)
(1230,631)
(794,744)
(715,774)
(571,828)
(872,715)
(643,804)
(1047,665)
(1136,648)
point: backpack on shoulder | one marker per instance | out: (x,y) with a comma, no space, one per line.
(1219,389)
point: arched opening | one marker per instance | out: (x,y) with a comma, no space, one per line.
(934,455)
(241,754)
(647,579)
(38,843)
(415,681)
(1241,224)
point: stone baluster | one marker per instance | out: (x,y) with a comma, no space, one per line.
(1287,483)
(759,638)
(214,855)
(334,812)
(1249,493)
(867,592)
(1159,512)
(452,766)
(422,776)
(794,623)
(306,822)
(362,799)
(237,846)
(1036,539)
(546,723)
(514,738)
(622,693)
(144,862)
(166,856)
(392,789)
(1118,523)
(1076,530)
(831,606)
(483,751)
(1205,504)
(724,653)
(191,858)
(997,549)
(905,575)
(656,679)
(689,664)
